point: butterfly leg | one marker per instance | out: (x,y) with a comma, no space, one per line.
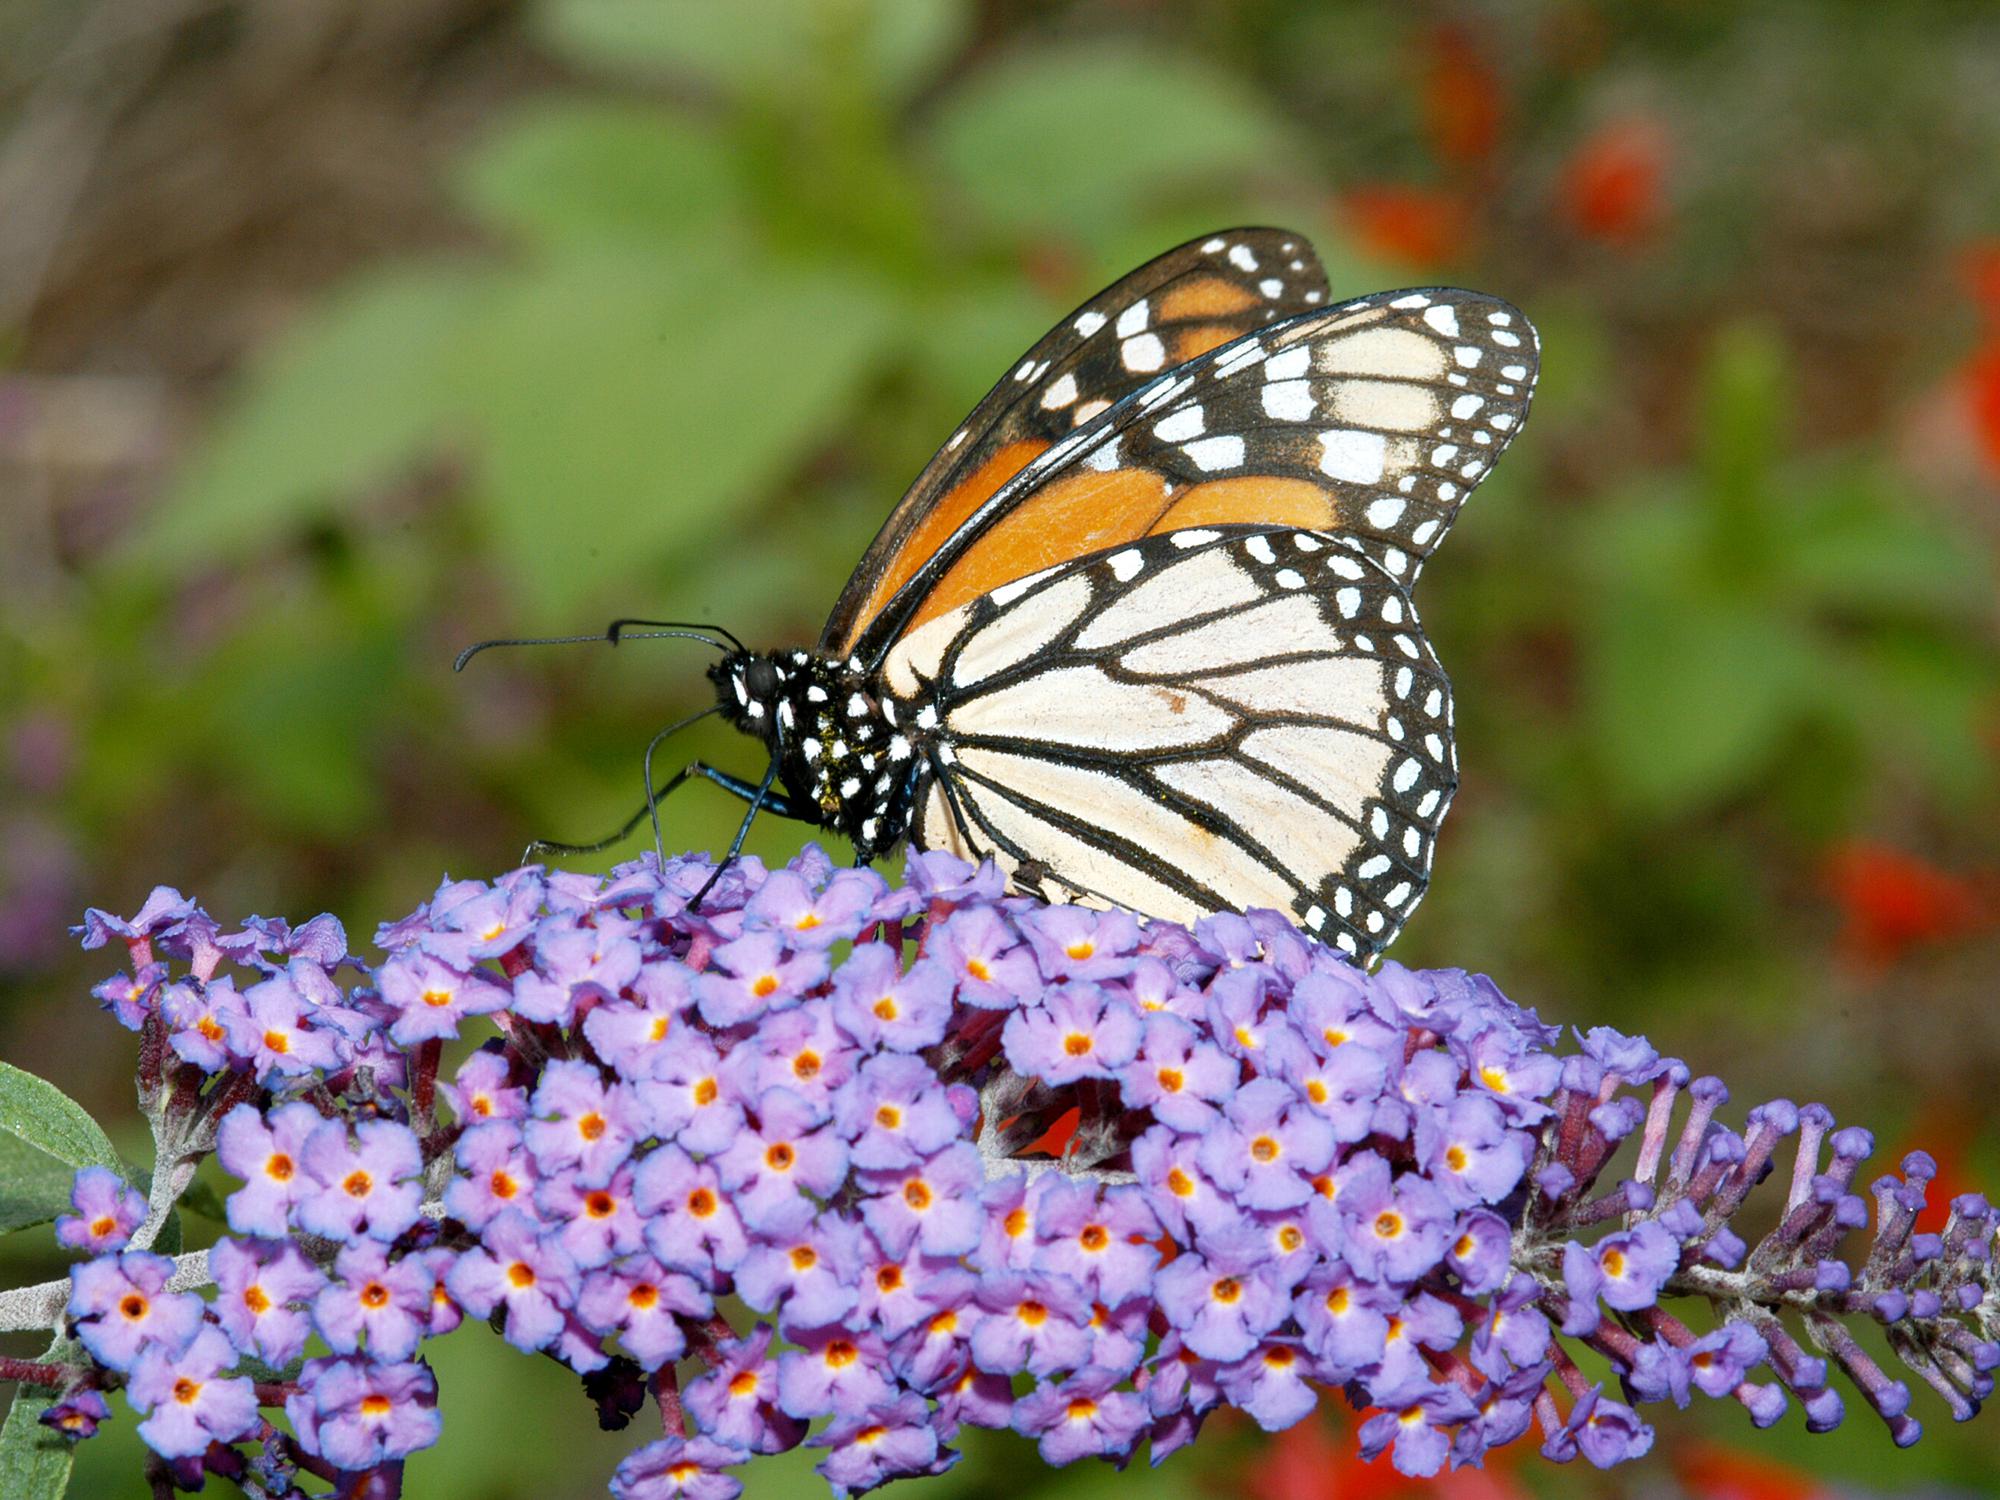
(759,798)
(776,801)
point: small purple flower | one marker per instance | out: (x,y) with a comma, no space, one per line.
(1102,1239)
(261,1286)
(1344,1088)
(1177,1075)
(1391,1229)
(388,1305)
(1077,1031)
(1718,1362)
(1345,1322)
(189,1400)
(1084,1417)
(803,1262)
(107,1211)
(365,1183)
(691,1225)
(754,975)
(482,1092)
(1037,1324)
(898,1292)
(801,1050)
(356,1413)
(131,998)
(934,1204)
(78,1414)
(495,1173)
(1221,1296)
(574,959)
(1419,1430)
(831,1370)
(638,1299)
(693,1103)
(267,1152)
(765,1168)
(632,1035)
(868,1448)
(882,1005)
(1604,1431)
(1270,1385)
(807,921)
(991,968)
(678,1468)
(1178,1187)
(121,1306)
(273,1033)
(578,1121)
(596,1225)
(513,1267)
(1626,1269)
(1072,943)
(736,1402)
(1469,1152)
(1480,1252)
(896,1113)
(430,998)
(201,1019)
(1268,1147)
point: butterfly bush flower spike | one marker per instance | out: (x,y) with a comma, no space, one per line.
(885,1163)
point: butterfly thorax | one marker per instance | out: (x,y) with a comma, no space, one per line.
(841,757)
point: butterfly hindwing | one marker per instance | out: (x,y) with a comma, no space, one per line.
(1174,308)
(1226,717)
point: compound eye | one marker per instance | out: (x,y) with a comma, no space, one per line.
(761,681)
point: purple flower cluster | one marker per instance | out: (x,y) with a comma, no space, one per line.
(949,1145)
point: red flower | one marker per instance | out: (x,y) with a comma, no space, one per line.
(1461,98)
(1982,392)
(1891,902)
(1416,228)
(1612,187)
(1711,1472)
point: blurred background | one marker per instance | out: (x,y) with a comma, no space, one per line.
(335,335)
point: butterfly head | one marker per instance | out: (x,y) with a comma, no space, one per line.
(749,686)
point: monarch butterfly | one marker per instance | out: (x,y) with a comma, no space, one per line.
(1141,630)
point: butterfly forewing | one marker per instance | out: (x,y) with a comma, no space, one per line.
(1211,718)
(1174,308)
(1373,420)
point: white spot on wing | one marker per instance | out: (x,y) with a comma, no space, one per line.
(1357,457)
(1212,453)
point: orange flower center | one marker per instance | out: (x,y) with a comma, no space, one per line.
(502,1184)
(279,1167)
(375,1406)
(889,1117)
(1227,1290)
(1171,1080)
(374,1295)
(644,1296)
(917,1195)
(840,1354)
(701,1203)
(278,1041)
(743,1383)
(1032,1313)
(591,1127)
(805,1065)
(1264,1149)
(357,1184)
(705,1092)
(186,1390)
(600,1205)
(521,1274)
(977,968)
(437,998)
(779,1158)
(256,1299)
(764,986)
(1076,1044)
(1094,1237)
(1179,1183)
(804,1258)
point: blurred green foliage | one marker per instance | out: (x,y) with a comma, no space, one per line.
(713,282)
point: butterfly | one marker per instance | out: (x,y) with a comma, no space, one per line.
(1141,631)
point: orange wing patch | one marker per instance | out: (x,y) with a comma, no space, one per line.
(1253,500)
(1067,519)
(936,527)
(1204,297)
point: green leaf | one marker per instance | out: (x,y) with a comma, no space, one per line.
(1691,694)
(595,170)
(758,46)
(46,1118)
(35,1461)
(1155,125)
(632,405)
(34,1186)
(344,399)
